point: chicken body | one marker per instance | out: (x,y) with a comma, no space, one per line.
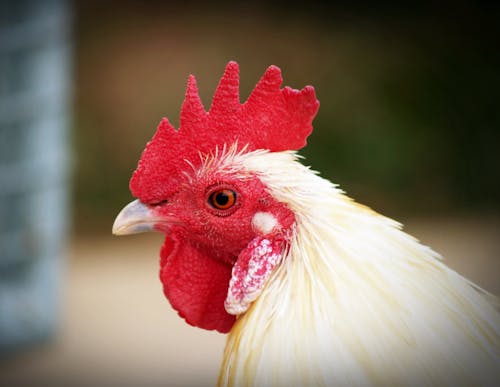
(313,288)
(357,302)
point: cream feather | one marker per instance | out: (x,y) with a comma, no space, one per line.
(356,302)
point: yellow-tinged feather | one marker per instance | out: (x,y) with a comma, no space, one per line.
(356,301)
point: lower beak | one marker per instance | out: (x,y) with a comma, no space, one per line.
(134,218)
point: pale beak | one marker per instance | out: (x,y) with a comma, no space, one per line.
(134,218)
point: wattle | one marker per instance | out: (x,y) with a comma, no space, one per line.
(195,284)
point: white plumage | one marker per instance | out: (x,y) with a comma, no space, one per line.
(356,301)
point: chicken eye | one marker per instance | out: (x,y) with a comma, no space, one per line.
(222,199)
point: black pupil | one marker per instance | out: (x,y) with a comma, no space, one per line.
(222,198)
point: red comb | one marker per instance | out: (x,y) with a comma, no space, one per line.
(272,118)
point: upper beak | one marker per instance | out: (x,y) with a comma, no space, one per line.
(134,218)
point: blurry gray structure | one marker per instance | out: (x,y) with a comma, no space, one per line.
(34,111)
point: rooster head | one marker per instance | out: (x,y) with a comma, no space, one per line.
(224,232)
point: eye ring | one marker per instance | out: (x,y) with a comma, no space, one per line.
(222,199)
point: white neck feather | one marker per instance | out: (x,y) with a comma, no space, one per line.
(356,301)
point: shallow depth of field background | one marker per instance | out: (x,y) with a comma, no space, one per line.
(409,124)
(409,97)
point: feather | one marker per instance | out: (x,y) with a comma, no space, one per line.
(357,301)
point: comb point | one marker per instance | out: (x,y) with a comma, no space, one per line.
(193,113)
(227,94)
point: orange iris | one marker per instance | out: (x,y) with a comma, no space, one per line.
(222,199)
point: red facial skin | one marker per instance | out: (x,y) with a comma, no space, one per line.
(203,243)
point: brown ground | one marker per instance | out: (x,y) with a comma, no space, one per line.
(117,329)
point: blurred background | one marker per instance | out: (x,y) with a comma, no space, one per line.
(409,125)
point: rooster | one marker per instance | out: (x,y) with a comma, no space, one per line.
(313,288)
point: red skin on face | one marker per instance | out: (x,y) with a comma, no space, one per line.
(203,244)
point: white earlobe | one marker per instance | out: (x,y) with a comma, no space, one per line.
(264,222)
